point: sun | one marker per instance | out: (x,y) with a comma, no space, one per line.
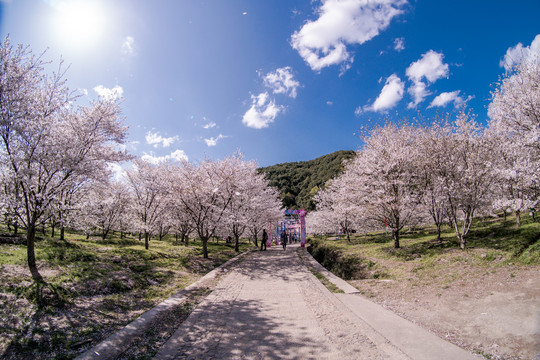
(80,23)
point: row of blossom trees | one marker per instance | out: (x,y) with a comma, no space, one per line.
(209,199)
(446,172)
(55,160)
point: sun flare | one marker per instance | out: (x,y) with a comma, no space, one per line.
(80,22)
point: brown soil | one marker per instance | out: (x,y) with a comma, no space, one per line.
(490,308)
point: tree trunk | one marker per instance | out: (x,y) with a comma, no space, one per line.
(16,229)
(30,250)
(52,230)
(62,233)
(439,232)
(518,218)
(104,235)
(348,236)
(462,241)
(146,240)
(236,242)
(204,247)
(395,235)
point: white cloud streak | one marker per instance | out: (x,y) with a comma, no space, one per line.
(399,44)
(156,140)
(390,95)
(262,113)
(282,81)
(429,67)
(213,141)
(178,155)
(445,98)
(210,125)
(323,42)
(109,94)
(128,46)
(516,54)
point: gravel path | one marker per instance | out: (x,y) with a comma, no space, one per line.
(272,307)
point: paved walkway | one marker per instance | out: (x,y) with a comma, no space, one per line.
(270,306)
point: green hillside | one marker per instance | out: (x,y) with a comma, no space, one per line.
(299,181)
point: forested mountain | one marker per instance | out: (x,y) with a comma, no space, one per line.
(298,182)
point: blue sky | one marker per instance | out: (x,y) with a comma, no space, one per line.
(279,80)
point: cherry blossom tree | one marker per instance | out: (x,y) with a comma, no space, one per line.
(385,180)
(149,190)
(515,126)
(104,206)
(48,144)
(252,198)
(339,203)
(204,191)
(266,212)
(515,106)
(465,172)
(431,165)
(321,222)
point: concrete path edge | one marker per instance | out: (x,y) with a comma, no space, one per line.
(413,340)
(339,282)
(119,342)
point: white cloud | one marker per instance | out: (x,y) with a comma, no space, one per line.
(178,155)
(323,42)
(282,81)
(128,46)
(445,98)
(262,113)
(418,91)
(430,67)
(390,95)
(155,139)
(213,141)
(515,55)
(210,125)
(109,94)
(399,44)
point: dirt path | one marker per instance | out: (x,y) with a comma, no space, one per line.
(494,311)
(272,307)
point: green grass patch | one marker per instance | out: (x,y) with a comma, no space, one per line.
(92,287)
(491,242)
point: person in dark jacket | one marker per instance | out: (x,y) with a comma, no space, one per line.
(264,240)
(284,239)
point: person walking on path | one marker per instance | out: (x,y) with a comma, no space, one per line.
(264,240)
(284,239)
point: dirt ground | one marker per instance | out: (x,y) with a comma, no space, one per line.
(492,310)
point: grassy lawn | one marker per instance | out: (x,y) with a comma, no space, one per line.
(94,287)
(490,243)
